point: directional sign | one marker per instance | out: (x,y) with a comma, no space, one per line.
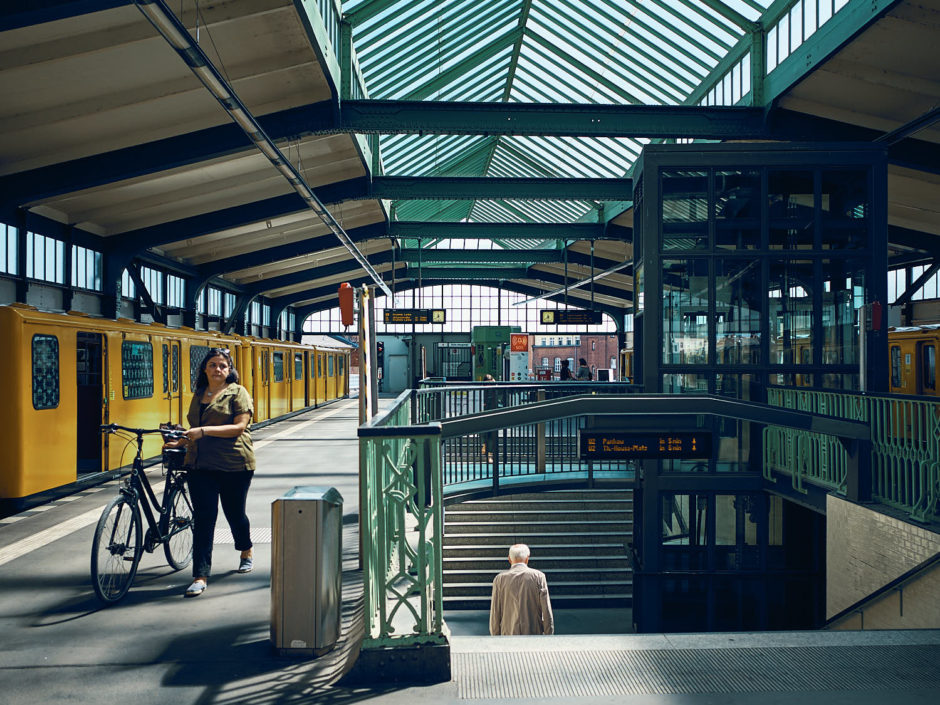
(414,315)
(620,445)
(570,317)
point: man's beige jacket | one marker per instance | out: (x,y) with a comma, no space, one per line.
(520,603)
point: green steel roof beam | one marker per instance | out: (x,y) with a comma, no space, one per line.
(633,67)
(721,68)
(466,272)
(433,210)
(587,70)
(558,74)
(685,20)
(367,10)
(546,119)
(828,39)
(516,151)
(387,62)
(499,44)
(470,187)
(638,45)
(460,159)
(517,48)
(640,22)
(504,231)
(439,256)
(729,13)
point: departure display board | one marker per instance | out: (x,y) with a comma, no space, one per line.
(414,315)
(570,317)
(625,445)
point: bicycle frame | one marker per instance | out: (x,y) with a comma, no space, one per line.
(138,489)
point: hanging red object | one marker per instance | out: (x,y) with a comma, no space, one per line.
(346,304)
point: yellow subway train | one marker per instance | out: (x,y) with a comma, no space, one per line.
(912,356)
(66,374)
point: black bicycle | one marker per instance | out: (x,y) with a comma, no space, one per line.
(119,537)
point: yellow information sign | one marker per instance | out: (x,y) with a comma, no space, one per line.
(618,445)
(414,315)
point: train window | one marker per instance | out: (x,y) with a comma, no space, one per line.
(278,367)
(319,365)
(197,353)
(175,369)
(298,366)
(329,365)
(929,356)
(265,365)
(896,366)
(339,365)
(166,368)
(137,369)
(45,372)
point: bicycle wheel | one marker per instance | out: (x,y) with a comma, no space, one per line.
(116,551)
(177,526)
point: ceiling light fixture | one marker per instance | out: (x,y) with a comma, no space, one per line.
(167,24)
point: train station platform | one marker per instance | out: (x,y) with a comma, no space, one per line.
(59,645)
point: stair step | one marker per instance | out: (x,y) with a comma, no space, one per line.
(553,575)
(535,528)
(558,587)
(541,562)
(510,501)
(539,551)
(534,515)
(507,539)
(573,601)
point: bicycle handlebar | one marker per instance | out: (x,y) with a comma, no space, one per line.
(168,434)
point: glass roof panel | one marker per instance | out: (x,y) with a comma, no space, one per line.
(654,52)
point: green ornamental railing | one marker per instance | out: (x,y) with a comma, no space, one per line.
(402,523)
(905,436)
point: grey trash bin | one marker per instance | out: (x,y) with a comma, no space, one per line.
(306,568)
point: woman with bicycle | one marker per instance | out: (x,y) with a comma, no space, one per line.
(220,459)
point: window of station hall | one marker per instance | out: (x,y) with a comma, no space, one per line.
(467,306)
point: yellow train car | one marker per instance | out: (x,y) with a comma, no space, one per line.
(626,365)
(912,354)
(321,377)
(66,374)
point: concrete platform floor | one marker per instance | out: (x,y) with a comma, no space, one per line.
(58,645)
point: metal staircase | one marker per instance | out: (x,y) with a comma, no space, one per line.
(578,538)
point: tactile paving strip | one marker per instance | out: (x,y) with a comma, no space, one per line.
(560,674)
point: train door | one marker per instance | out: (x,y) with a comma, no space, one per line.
(310,381)
(896,376)
(90,356)
(927,376)
(330,377)
(321,378)
(300,383)
(172,389)
(263,384)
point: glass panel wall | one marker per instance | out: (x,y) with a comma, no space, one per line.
(757,271)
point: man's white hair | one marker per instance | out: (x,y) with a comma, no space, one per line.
(519,552)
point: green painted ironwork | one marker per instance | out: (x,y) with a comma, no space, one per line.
(905,446)
(402,524)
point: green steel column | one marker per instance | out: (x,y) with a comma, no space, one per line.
(345,60)
(758,64)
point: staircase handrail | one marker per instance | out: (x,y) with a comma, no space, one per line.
(891,586)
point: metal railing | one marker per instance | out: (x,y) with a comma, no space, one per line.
(905,437)
(404,472)
(544,449)
(402,526)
